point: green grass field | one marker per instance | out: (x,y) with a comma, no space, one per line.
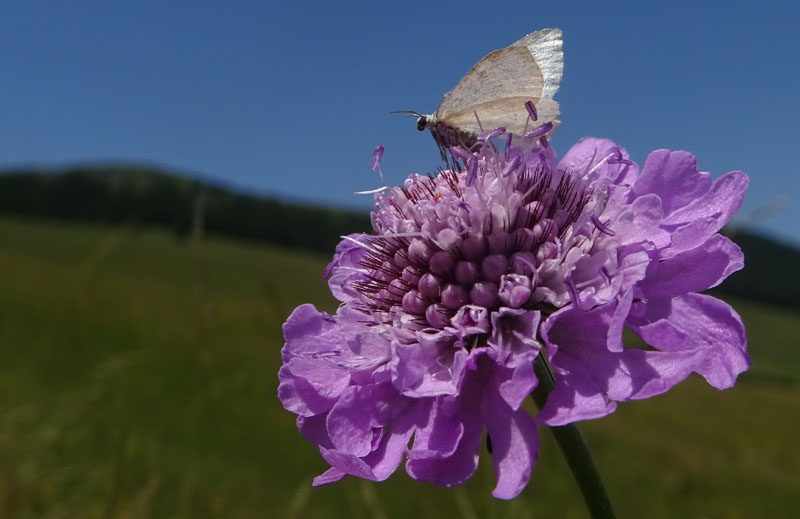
(138,378)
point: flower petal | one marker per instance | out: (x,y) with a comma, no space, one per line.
(673,176)
(720,202)
(313,429)
(345,463)
(574,398)
(429,367)
(695,322)
(393,447)
(515,446)
(514,334)
(520,383)
(695,270)
(593,158)
(585,353)
(359,411)
(640,222)
(303,330)
(308,388)
(332,475)
(345,267)
(643,374)
(439,436)
(454,469)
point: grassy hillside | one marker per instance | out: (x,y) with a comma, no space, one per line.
(138,378)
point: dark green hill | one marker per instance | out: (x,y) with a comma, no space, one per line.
(142,196)
(771,273)
(149,197)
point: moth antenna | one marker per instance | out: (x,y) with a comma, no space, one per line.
(407,113)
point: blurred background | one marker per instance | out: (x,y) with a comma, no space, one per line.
(174,177)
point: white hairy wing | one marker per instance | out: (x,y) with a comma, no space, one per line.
(502,74)
(508,112)
(547,48)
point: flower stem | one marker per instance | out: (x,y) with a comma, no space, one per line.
(575,450)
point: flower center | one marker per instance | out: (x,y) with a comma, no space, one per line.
(443,244)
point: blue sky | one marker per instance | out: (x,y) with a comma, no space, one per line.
(291,98)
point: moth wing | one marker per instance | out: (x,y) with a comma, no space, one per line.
(506,73)
(547,49)
(508,112)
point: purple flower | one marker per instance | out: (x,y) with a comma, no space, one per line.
(468,276)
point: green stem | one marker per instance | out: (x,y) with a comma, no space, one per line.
(575,450)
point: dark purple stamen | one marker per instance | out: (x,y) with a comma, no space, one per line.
(573,291)
(491,134)
(619,159)
(472,170)
(540,130)
(513,165)
(460,153)
(601,227)
(531,108)
(605,275)
(376,157)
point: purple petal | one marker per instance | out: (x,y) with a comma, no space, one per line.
(332,475)
(521,382)
(515,446)
(694,270)
(345,268)
(650,373)
(673,176)
(599,329)
(302,331)
(634,260)
(382,461)
(359,411)
(346,463)
(387,457)
(439,436)
(695,322)
(589,158)
(720,202)
(313,429)
(585,353)
(641,221)
(574,398)
(455,469)
(513,334)
(308,388)
(471,319)
(429,367)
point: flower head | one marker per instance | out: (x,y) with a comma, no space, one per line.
(469,275)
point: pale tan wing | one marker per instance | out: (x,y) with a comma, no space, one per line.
(505,73)
(508,112)
(547,49)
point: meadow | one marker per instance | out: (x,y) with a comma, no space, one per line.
(138,378)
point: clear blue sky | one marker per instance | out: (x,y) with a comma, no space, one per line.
(290,98)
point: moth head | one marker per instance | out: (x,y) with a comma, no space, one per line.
(422,120)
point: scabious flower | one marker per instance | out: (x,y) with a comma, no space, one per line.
(469,275)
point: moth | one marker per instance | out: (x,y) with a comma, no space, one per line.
(494,92)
